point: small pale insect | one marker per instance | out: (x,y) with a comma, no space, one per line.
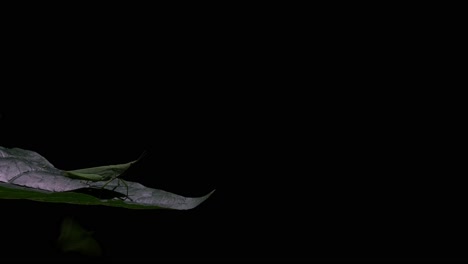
(107,173)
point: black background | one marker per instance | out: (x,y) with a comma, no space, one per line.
(315,144)
(305,176)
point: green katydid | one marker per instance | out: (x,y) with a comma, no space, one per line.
(104,173)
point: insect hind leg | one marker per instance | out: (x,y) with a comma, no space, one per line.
(118,185)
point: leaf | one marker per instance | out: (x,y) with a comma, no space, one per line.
(25,174)
(8,191)
(74,238)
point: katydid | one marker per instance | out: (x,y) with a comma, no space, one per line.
(104,173)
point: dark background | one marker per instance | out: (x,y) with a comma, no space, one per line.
(322,139)
(302,176)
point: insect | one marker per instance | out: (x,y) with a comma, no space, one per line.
(107,173)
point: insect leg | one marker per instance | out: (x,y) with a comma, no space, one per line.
(118,185)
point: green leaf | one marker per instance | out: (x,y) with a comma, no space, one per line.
(25,174)
(74,238)
(14,192)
